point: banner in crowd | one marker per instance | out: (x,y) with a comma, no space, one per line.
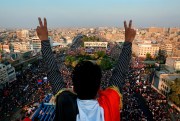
(95,44)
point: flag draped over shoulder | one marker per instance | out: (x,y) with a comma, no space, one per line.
(111,101)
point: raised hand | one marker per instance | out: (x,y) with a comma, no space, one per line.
(129,32)
(41,30)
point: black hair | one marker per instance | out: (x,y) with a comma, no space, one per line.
(86,78)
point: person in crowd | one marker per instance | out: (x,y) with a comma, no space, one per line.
(87,102)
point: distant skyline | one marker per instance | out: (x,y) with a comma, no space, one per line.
(89,13)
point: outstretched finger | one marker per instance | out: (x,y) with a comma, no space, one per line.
(40,22)
(45,22)
(130,23)
(125,25)
(37,30)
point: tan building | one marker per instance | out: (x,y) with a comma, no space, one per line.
(156,30)
(176,51)
(21,46)
(5,47)
(141,50)
(167,48)
(21,34)
(173,30)
(163,82)
(173,62)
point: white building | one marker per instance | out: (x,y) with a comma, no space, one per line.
(11,72)
(3,74)
(36,42)
(7,74)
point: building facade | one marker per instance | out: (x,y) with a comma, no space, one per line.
(167,48)
(7,73)
(173,62)
(163,82)
(3,74)
(21,46)
(36,42)
(141,50)
(22,34)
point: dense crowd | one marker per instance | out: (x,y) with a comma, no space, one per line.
(24,94)
(140,100)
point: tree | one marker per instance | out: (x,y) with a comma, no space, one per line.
(74,63)
(148,56)
(161,57)
(69,60)
(101,53)
(174,94)
(105,64)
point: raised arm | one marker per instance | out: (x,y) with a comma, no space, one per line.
(54,75)
(121,69)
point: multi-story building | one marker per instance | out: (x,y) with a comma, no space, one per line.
(141,50)
(21,34)
(173,30)
(21,46)
(176,51)
(5,47)
(156,30)
(3,74)
(173,62)
(36,42)
(11,72)
(163,82)
(167,48)
(25,46)
(7,74)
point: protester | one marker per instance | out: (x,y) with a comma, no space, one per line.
(86,78)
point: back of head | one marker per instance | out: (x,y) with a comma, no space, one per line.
(86,79)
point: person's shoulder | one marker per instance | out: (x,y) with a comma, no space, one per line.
(110,95)
(65,95)
(112,90)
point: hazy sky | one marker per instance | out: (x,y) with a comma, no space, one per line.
(89,13)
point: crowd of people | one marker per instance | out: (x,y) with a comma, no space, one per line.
(131,110)
(25,94)
(140,100)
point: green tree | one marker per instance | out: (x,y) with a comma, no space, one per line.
(69,60)
(148,56)
(101,54)
(161,57)
(174,94)
(106,64)
(74,63)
